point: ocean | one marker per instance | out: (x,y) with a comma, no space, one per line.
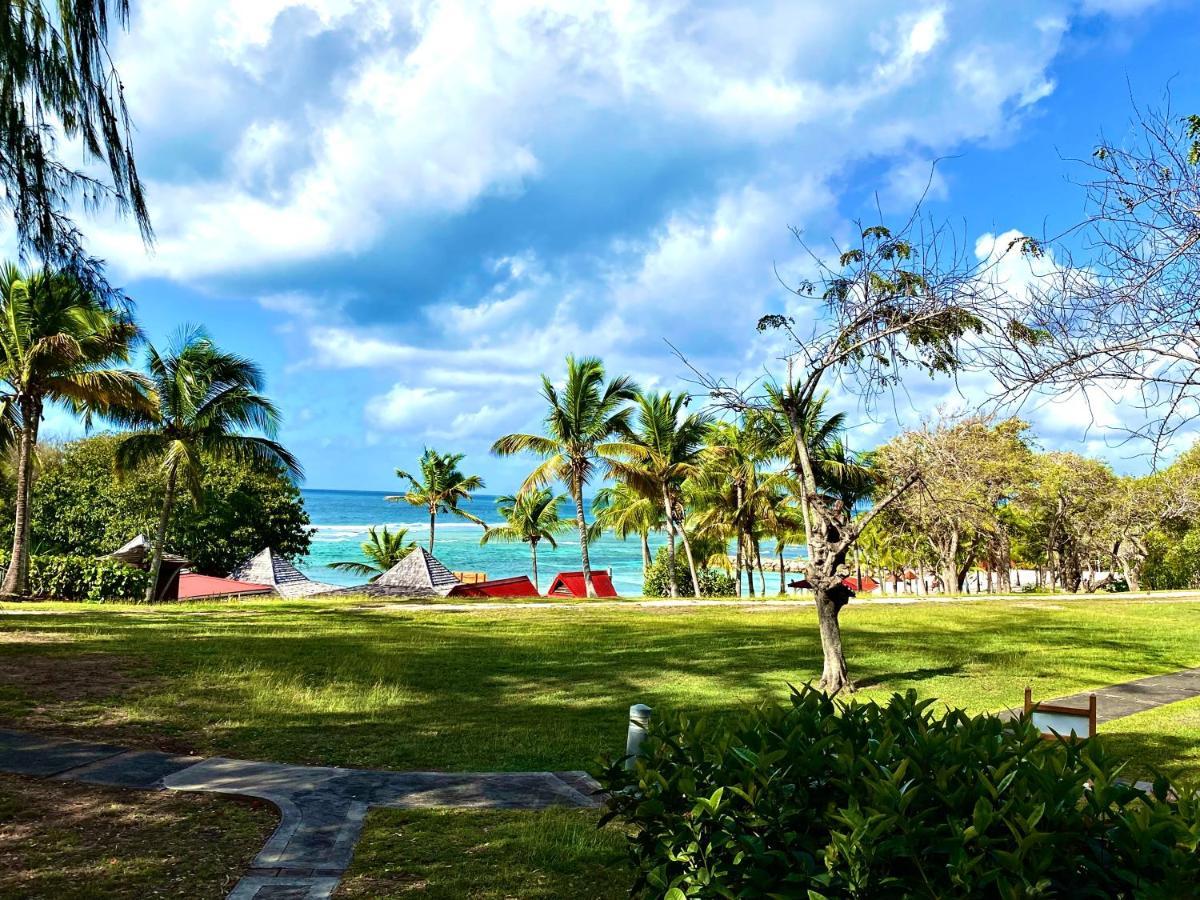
(341,519)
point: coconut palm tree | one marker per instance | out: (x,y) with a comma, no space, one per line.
(583,415)
(530,517)
(666,445)
(441,488)
(207,402)
(383,549)
(624,511)
(59,343)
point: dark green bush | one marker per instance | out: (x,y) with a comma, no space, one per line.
(85,578)
(713,582)
(821,799)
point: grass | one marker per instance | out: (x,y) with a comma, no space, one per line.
(334,683)
(74,841)
(487,855)
(1166,739)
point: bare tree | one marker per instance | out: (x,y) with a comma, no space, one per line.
(1118,297)
(915,298)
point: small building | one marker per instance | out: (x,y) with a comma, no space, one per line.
(519,586)
(190,586)
(571,584)
(137,553)
(420,574)
(868,584)
(273,569)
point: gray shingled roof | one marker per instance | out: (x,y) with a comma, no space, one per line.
(269,567)
(137,552)
(419,574)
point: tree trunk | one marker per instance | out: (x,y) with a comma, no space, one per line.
(762,575)
(670,516)
(581,521)
(834,674)
(161,536)
(737,567)
(687,545)
(432,528)
(16,579)
(645,536)
(533,552)
(782,574)
(749,561)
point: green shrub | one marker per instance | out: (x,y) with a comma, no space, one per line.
(85,578)
(821,799)
(713,582)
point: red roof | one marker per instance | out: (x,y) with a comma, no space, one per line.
(868,584)
(570,584)
(195,587)
(519,586)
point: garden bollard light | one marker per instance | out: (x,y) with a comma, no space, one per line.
(639,722)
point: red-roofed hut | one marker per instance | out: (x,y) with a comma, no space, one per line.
(520,586)
(571,584)
(190,586)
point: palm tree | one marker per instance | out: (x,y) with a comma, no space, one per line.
(530,517)
(58,343)
(383,548)
(624,511)
(582,417)
(207,400)
(441,488)
(665,447)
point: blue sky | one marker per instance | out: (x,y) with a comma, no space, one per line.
(406,211)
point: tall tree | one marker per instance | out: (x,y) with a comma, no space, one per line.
(383,549)
(209,402)
(582,417)
(441,488)
(621,509)
(59,342)
(910,298)
(57,78)
(665,446)
(530,517)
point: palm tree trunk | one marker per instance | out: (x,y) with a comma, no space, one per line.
(533,551)
(762,575)
(782,574)
(432,527)
(749,557)
(161,536)
(581,521)
(645,536)
(737,567)
(674,587)
(16,579)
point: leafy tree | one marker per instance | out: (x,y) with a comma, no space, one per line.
(530,517)
(581,419)
(621,509)
(665,446)
(383,549)
(441,488)
(56,76)
(58,343)
(80,508)
(207,401)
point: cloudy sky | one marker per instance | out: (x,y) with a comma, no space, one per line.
(407,211)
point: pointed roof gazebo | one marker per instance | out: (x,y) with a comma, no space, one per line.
(271,568)
(419,574)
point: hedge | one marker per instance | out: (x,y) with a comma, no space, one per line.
(713,582)
(822,799)
(86,579)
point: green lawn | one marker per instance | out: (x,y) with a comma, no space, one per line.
(325,682)
(62,841)
(487,855)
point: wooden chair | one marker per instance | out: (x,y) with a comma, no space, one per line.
(1069,722)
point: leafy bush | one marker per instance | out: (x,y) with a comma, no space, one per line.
(84,578)
(821,799)
(657,583)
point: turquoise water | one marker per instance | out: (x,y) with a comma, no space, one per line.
(341,519)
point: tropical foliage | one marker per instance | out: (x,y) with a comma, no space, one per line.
(582,418)
(383,549)
(529,518)
(440,488)
(208,403)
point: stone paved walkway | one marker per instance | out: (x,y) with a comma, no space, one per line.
(322,808)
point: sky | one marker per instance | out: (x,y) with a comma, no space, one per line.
(408,211)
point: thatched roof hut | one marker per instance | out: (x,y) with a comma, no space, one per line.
(271,568)
(419,574)
(136,553)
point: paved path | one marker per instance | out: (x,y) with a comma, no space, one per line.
(322,807)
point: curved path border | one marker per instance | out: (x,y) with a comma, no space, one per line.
(322,807)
